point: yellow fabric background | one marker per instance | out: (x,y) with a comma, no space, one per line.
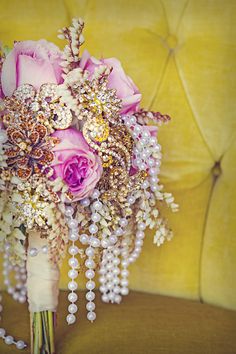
(181,54)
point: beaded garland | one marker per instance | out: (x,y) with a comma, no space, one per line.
(105,231)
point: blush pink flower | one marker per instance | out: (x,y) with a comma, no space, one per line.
(31,62)
(126,90)
(74,162)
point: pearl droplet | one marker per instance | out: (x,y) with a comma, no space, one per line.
(2,332)
(33,252)
(20,344)
(91,316)
(71,318)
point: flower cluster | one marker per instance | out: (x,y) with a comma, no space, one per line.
(79,163)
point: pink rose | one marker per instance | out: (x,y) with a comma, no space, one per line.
(31,62)
(124,85)
(75,163)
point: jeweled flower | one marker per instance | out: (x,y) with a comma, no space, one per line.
(28,148)
(90,98)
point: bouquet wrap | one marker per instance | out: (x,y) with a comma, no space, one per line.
(42,278)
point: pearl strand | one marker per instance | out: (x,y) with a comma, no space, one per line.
(109,275)
(18,292)
(73,263)
(90,285)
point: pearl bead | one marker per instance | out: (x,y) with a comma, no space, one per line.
(125,263)
(95,194)
(69,211)
(104,243)
(9,340)
(85,202)
(91,316)
(103,289)
(97,205)
(116,280)
(145,134)
(90,306)
(96,217)
(124,282)
(118,299)
(84,239)
(71,318)
(89,263)
(72,308)
(124,291)
(116,271)
(131,200)
(137,129)
(111,296)
(73,250)
(141,226)
(153,140)
(90,285)
(139,242)
(90,296)
(72,224)
(151,162)
(119,231)
(140,234)
(123,222)
(116,289)
(22,299)
(2,332)
(116,261)
(105,298)
(89,252)
(154,188)
(102,279)
(73,235)
(72,285)
(20,344)
(72,297)
(33,252)
(44,249)
(95,242)
(90,274)
(112,239)
(93,228)
(102,270)
(152,171)
(132,119)
(73,262)
(72,274)
(124,273)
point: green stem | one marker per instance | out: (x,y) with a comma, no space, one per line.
(51,331)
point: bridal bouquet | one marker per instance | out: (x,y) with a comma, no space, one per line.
(78,174)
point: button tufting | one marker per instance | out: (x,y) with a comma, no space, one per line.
(216,169)
(171,41)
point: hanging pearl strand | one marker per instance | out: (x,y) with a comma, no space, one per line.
(73,263)
(17,293)
(93,243)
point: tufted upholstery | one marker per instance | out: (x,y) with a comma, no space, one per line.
(182,56)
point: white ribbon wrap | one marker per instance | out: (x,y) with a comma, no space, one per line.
(42,278)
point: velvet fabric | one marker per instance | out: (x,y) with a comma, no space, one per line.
(181,55)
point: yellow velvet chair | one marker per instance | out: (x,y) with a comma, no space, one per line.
(181,54)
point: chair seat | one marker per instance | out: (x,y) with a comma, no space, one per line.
(141,324)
